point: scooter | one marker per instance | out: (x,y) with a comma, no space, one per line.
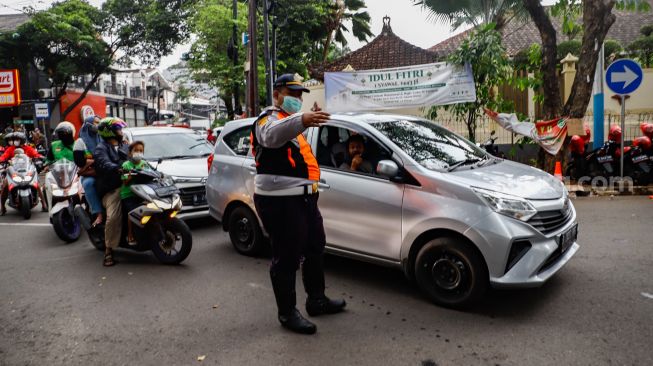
(637,163)
(491,148)
(154,223)
(23,183)
(63,192)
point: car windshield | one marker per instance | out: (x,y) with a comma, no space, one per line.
(432,146)
(174,145)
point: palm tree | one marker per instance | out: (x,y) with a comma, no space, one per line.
(472,12)
(342,11)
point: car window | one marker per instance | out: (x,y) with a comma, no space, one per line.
(335,147)
(174,145)
(432,146)
(238,140)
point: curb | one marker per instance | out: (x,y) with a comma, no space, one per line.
(576,190)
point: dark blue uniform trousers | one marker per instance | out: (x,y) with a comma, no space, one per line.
(296,231)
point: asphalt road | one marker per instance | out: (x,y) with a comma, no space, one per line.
(59,306)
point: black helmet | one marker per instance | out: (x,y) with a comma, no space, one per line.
(65,131)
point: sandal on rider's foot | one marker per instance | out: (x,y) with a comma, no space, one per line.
(98,221)
(108,260)
(3,212)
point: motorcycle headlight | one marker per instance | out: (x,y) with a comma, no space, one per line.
(17,178)
(506,204)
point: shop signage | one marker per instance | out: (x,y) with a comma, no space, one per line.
(9,88)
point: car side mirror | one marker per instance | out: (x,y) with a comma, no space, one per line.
(387,168)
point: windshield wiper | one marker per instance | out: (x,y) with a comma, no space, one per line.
(175,157)
(462,162)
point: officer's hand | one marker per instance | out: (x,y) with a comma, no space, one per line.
(315,119)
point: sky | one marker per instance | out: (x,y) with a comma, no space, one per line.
(407,21)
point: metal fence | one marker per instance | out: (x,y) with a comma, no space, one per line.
(485,126)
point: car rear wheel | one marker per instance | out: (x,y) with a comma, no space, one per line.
(244,231)
(450,272)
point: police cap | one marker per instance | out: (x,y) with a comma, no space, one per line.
(290,81)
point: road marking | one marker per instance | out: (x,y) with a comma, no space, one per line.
(646,294)
(22,224)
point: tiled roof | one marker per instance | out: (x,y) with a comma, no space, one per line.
(519,35)
(9,22)
(384,51)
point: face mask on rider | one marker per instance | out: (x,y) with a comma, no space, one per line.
(291,105)
(17,143)
(137,157)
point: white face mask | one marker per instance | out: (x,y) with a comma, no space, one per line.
(137,157)
(16,143)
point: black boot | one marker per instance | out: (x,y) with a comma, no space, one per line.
(317,303)
(283,285)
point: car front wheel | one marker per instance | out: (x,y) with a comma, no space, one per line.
(450,272)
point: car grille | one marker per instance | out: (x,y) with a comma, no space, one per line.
(189,196)
(549,221)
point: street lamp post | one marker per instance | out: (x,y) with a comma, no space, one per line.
(252,75)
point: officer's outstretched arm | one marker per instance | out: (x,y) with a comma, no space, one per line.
(274,133)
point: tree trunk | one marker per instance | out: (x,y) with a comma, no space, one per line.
(81,97)
(471,125)
(228,103)
(552,105)
(597,20)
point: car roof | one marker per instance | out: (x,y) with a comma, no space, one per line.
(157,130)
(354,117)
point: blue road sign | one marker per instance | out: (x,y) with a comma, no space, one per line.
(624,76)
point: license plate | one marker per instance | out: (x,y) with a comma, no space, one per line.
(640,158)
(568,238)
(604,159)
(199,199)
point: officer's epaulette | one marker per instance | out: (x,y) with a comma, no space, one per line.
(266,113)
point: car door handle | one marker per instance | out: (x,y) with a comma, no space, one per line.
(322,185)
(252,168)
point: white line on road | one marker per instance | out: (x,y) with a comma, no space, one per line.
(22,224)
(646,294)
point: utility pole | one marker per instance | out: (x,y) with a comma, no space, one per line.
(234,38)
(266,52)
(252,75)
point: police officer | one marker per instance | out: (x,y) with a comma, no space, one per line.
(286,200)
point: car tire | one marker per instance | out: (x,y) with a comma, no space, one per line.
(451,272)
(245,232)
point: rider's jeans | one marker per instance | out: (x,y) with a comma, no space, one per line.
(113,227)
(91,194)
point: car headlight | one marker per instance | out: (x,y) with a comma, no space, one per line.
(506,204)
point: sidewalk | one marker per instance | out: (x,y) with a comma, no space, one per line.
(576,190)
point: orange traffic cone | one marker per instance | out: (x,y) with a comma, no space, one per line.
(558,171)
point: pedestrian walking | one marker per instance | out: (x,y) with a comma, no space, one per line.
(286,197)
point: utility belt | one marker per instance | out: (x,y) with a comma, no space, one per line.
(294,191)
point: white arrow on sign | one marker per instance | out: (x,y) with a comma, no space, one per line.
(627,77)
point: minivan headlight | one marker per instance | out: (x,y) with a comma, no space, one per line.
(506,204)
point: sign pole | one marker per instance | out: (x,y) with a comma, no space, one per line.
(599,102)
(623,130)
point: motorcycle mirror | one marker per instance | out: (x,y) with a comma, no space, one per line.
(493,132)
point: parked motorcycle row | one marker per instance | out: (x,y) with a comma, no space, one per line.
(155,225)
(606,160)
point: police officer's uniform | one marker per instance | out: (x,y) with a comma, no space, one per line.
(286,198)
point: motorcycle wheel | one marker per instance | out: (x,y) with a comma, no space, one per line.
(25,207)
(66,227)
(176,244)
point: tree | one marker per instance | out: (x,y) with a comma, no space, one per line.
(338,13)
(73,38)
(642,47)
(473,13)
(210,54)
(490,66)
(597,19)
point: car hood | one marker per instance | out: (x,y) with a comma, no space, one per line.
(195,167)
(512,178)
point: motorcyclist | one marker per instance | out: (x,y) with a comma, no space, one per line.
(63,147)
(16,140)
(83,154)
(109,156)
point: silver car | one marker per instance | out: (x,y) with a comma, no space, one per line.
(181,154)
(451,216)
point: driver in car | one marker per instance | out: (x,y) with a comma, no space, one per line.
(355,161)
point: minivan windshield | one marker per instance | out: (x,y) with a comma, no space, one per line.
(174,146)
(432,146)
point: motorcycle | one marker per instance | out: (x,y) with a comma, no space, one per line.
(155,225)
(637,163)
(23,183)
(491,148)
(63,192)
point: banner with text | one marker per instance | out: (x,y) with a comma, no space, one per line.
(401,87)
